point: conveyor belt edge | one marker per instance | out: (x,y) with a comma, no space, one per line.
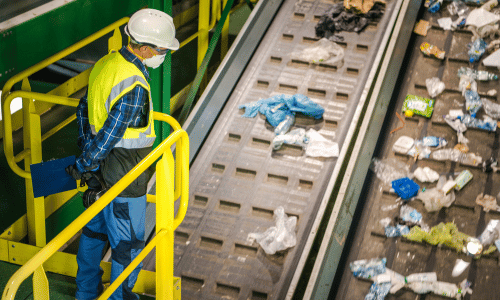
(346,199)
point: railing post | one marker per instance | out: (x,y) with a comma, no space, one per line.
(165,221)
(40,285)
(224,39)
(32,136)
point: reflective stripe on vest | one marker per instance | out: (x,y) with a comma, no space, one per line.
(112,78)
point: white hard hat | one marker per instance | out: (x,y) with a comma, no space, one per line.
(153,28)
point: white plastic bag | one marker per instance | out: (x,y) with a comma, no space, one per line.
(279,237)
(426,174)
(324,51)
(434,199)
(434,86)
(320,146)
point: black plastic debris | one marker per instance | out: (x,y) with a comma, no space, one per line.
(338,19)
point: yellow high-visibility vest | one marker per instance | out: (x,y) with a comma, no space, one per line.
(111,78)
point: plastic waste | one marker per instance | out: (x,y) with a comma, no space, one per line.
(279,237)
(419,150)
(419,105)
(434,198)
(368,268)
(296,137)
(472,102)
(389,169)
(492,109)
(285,125)
(448,186)
(476,50)
(385,222)
(488,202)
(396,231)
(433,141)
(459,268)
(431,50)
(434,86)
(477,75)
(479,17)
(324,51)
(278,107)
(445,23)
(489,5)
(458,8)
(462,179)
(497,244)
(492,92)
(445,289)
(433,5)
(493,60)
(487,123)
(426,174)
(458,23)
(457,156)
(338,19)
(319,146)
(405,188)
(403,144)
(490,233)
(409,214)
(421,277)
(467,83)
(378,291)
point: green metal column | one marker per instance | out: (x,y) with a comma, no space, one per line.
(161,80)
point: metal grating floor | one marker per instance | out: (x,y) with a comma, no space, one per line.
(407,257)
(237,180)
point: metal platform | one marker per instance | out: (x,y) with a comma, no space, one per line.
(237,180)
(407,257)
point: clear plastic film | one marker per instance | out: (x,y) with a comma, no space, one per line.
(492,109)
(434,86)
(322,51)
(389,169)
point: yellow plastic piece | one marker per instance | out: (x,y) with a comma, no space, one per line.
(408,113)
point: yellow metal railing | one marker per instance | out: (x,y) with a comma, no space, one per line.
(165,221)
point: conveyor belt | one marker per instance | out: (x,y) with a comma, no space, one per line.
(407,257)
(237,180)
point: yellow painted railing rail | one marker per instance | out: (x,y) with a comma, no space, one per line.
(163,185)
(8,143)
(24,74)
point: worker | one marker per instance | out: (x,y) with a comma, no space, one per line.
(115,125)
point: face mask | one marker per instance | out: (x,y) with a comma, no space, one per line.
(155,61)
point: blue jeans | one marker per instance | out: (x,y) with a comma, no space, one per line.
(122,222)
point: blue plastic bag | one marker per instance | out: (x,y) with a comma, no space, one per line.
(278,107)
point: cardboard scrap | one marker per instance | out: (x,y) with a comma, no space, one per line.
(362,6)
(421,27)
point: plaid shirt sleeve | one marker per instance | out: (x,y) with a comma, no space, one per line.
(95,148)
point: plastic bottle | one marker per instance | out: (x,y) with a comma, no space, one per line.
(477,75)
(421,277)
(477,49)
(285,125)
(491,233)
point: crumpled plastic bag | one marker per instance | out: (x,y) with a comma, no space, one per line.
(492,109)
(480,17)
(434,86)
(390,169)
(324,51)
(278,107)
(434,199)
(279,237)
(297,136)
(426,174)
(319,146)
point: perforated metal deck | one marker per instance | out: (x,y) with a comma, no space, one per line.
(237,180)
